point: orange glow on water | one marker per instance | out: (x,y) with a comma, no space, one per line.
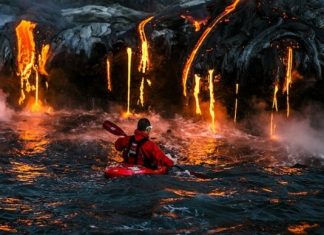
(196,93)
(192,56)
(212,99)
(145,60)
(25,55)
(301,228)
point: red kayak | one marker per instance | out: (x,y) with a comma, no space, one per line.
(130,170)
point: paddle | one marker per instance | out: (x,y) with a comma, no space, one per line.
(113,128)
(116,130)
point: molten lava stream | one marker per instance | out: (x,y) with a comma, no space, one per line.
(196,93)
(25,55)
(142,92)
(129,53)
(288,77)
(42,59)
(109,86)
(274,107)
(145,60)
(199,43)
(212,100)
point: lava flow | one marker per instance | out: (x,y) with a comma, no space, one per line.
(196,23)
(129,54)
(25,56)
(109,86)
(42,59)
(199,43)
(196,93)
(274,107)
(145,60)
(212,100)
(288,77)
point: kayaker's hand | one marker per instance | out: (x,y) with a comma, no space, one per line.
(173,159)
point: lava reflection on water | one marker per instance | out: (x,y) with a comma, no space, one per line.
(33,134)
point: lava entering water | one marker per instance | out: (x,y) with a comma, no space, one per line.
(274,106)
(212,100)
(199,43)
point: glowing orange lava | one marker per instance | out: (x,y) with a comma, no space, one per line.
(274,106)
(236,101)
(129,53)
(145,61)
(42,59)
(142,93)
(196,23)
(26,55)
(288,77)
(212,100)
(196,93)
(199,43)
(108,75)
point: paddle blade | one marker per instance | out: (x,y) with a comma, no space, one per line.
(113,128)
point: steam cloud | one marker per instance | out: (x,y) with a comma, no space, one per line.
(304,134)
(5,112)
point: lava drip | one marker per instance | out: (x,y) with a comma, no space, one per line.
(129,54)
(274,107)
(212,100)
(196,93)
(108,73)
(288,77)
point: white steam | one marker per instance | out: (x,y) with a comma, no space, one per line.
(5,112)
(304,135)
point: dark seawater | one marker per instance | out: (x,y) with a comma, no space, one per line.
(52,182)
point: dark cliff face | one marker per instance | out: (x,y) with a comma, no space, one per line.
(248,47)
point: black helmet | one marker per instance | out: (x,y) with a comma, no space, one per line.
(144,124)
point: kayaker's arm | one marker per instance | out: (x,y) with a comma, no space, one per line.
(160,157)
(121,143)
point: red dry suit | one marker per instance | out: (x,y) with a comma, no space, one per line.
(143,152)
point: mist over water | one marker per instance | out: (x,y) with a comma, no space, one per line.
(5,112)
(304,133)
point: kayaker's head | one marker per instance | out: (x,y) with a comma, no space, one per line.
(144,125)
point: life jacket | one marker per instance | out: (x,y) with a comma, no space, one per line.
(132,151)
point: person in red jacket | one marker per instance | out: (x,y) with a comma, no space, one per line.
(138,149)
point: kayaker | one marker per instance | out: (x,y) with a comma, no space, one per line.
(138,149)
